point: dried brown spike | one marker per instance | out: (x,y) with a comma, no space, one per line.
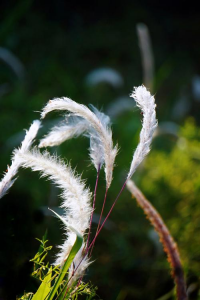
(166,239)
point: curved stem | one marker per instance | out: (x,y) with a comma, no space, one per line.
(166,239)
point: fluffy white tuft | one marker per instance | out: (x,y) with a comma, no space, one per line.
(76,198)
(146,102)
(98,129)
(97,154)
(75,127)
(8,180)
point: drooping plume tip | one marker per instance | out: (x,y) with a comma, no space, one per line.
(146,102)
(98,130)
(8,180)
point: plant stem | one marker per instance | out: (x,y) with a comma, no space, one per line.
(165,238)
(93,241)
(107,216)
(99,223)
(93,206)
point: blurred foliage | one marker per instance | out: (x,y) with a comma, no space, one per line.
(172,181)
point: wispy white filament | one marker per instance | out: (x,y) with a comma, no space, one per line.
(97,123)
(76,198)
(97,153)
(146,102)
(8,180)
(75,127)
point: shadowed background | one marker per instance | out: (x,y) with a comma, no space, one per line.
(93,53)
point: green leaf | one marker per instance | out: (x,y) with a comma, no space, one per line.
(77,245)
(44,287)
(63,293)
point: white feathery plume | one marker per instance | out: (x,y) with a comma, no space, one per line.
(97,123)
(76,198)
(146,102)
(8,180)
(75,127)
(80,261)
(96,151)
(96,146)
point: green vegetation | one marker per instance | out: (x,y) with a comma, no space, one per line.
(53,280)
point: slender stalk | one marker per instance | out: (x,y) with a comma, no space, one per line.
(94,239)
(93,206)
(166,239)
(146,54)
(123,187)
(99,223)
(102,209)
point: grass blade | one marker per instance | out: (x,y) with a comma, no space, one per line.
(77,245)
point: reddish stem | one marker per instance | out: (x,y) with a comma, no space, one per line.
(94,239)
(123,187)
(93,206)
(99,223)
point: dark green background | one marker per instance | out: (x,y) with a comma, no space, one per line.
(58,43)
